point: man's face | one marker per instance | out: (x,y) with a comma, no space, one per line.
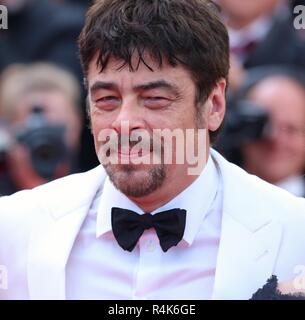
(282,154)
(146,100)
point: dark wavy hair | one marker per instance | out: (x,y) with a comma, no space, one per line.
(186,32)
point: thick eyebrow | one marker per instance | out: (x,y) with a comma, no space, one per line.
(99,85)
(159,84)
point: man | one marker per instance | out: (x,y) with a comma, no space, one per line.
(47,31)
(26,41)
(257,30)
(151,230)
(279,157)
(44,145)
(261,33)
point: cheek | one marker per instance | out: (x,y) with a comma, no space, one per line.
(259,148)
(296,146)
(101,120)
(255,153)
(186,119)
(98,125)
(160,120)
(299,149)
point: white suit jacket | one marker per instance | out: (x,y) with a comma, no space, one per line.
(263,233)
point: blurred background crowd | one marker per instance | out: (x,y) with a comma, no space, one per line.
(44,132)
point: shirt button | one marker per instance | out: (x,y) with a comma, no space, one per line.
(150,245)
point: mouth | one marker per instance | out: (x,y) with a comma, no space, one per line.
(129,154)
(133,152)
(134,155)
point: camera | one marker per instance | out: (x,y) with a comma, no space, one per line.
(45,143)
(245,122)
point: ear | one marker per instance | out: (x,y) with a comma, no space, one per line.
(216,106)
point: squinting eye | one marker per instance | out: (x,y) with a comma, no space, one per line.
(108,98)
(156,102)
(156,98)
(108,102)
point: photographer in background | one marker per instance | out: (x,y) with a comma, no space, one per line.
(47,31)
(41,30)
(261,33)
(40,105)
(266,124)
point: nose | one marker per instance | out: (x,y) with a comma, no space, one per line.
(129,118)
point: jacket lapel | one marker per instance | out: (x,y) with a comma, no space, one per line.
(245,259)
(250,239)
(248,247)
(55,231)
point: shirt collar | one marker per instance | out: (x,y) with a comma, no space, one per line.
(196,199)
(254,32)
(259,28)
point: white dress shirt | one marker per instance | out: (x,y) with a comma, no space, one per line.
(98,268)
(253,33)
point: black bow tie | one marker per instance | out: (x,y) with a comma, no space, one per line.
(128,226)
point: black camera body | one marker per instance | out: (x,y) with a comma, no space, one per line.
(45,143)
(244,122)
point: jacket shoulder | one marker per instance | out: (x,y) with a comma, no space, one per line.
(61,195)
(247,193)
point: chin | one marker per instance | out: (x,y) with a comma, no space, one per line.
(136,181)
